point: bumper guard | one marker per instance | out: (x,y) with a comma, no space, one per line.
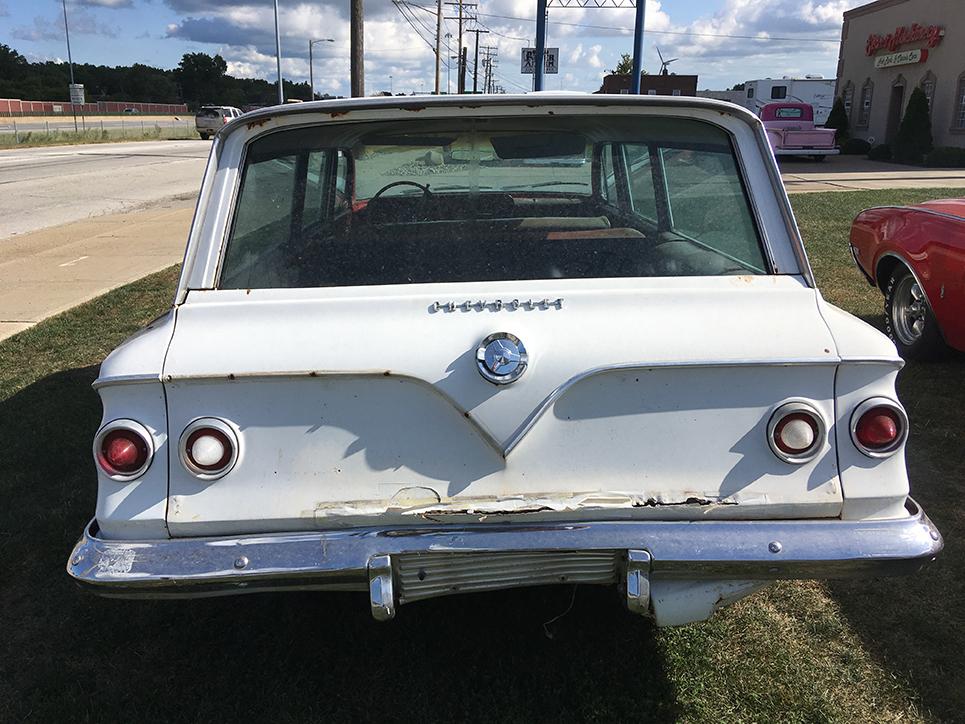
(402,564)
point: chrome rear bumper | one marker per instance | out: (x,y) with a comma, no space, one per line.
(403,564)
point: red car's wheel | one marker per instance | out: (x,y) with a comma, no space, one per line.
(909,320)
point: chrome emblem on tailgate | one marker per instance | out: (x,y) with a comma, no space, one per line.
(501,358)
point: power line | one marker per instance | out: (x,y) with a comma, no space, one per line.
(671,32)
(401,6)
(658,32)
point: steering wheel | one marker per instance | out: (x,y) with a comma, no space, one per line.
(426,195)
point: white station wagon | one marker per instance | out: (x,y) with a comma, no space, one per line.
(427,346)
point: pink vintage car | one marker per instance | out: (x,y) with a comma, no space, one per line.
(791,131)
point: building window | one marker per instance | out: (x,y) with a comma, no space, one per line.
(750,92)
(778,92)
(848,99)
(959,120)
(928,88)
(676,92)
(864,110)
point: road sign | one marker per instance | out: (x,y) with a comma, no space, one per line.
(76,93)
(551,61)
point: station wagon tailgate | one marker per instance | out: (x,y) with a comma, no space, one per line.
(642,399)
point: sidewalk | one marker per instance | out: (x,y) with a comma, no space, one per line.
(46,272)
(854,173)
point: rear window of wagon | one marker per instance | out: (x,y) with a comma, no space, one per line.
(490,199)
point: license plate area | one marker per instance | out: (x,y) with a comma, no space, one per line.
(407,577)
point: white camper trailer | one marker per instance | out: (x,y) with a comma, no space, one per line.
(814,89)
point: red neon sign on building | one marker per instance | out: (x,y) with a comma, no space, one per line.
(930,34)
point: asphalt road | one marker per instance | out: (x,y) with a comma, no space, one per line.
(47,186)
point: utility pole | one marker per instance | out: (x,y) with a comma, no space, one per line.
(356,43)
(638,47)
(281,89)
(70,62)
(462,51)
(541,44)
(489,55)
(475,61)
(438,45)
(449,58)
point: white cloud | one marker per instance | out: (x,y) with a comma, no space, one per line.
(243,33)
(112,4)
(593,57)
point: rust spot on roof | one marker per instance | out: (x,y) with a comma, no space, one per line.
(258,122)
(336,114)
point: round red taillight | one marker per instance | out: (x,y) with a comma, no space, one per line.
(879,427)
(796,432)
(208,448)
(123,449)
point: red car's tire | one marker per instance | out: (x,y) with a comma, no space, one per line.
(909,320)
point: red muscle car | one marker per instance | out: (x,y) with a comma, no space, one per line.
(916,256)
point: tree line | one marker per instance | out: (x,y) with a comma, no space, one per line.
(199,79)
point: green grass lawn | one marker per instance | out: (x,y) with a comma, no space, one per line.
(149,132)
(872,650)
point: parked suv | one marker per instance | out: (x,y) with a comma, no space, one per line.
(209,119)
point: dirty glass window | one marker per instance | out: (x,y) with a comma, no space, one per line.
(643,197)
(609,185)
(489,199)
(789,113)
(707,202)
(268,189)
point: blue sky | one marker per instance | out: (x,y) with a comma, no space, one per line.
(722,41)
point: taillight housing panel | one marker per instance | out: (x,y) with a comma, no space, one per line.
(209,448)
(123,449)
(879,427)
(797,432)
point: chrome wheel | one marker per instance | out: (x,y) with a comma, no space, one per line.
(908,310)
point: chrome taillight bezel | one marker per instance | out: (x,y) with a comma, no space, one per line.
(791,407)
(221,426)
(130,426)
(870,404)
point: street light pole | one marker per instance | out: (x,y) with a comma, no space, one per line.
(638,47)
(311,67)
(281,89)
(70,62)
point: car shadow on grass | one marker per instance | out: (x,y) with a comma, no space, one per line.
(69,656)
(915,625)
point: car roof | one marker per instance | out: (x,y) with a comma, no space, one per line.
(405,105)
